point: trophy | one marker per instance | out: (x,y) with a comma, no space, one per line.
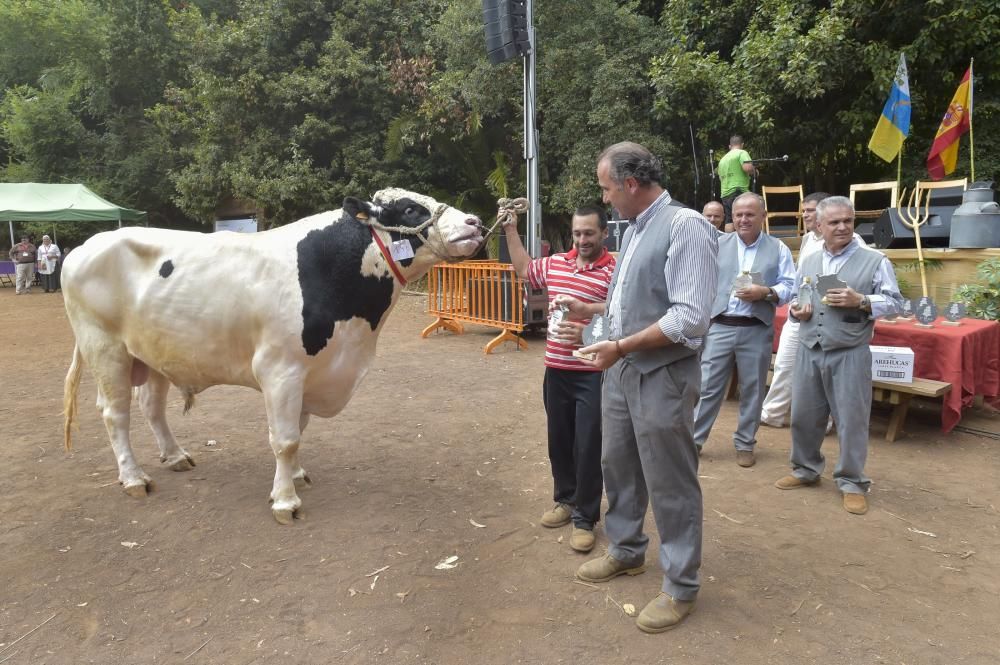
(907,310)
(594,332)
(954,314)
(926,312)
(825,283)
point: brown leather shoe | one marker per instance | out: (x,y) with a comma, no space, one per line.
(856,504)
(606,568)
(582,540)
(745,458)
(791,482)
(663,613)
(558,516)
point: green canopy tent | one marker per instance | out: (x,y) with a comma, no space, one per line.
(40,202)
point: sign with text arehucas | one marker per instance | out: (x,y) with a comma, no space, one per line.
(892,363)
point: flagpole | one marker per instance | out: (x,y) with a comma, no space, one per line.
(972,152)
(899,172)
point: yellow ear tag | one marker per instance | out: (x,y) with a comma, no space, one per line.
(362,215)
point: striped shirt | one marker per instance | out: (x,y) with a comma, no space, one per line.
(691,280)
(561,276)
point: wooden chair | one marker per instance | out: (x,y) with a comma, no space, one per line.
(892,187)
(785,230)
(957,184)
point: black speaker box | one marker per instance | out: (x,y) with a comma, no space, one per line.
(866,231)
(892,233)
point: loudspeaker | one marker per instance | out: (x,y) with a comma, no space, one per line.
(892,233)
(866,231)
(506,26)
(616,233)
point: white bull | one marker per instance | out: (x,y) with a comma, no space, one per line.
(294,312)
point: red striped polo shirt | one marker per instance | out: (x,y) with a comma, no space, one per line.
(561,276)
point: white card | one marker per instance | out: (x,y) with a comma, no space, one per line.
(401,250)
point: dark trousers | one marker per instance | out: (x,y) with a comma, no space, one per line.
(573,409)
(727,204)
(49,282)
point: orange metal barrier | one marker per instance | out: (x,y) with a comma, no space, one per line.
(487,293)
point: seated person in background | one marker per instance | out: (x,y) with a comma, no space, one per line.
(716,215)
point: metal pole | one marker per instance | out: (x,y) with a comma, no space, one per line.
(10,223)
(531,141)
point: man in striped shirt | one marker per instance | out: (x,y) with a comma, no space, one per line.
(571,391)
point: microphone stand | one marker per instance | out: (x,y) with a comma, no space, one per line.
(711,167)
(763,160)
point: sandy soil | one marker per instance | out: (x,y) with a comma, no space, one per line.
(440,439)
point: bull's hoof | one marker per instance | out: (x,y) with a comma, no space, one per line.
(284,516)
(185,463)
(138,490)
(302,481)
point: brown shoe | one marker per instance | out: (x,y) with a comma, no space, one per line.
(663,613)
(856,504)
(745,458)
(606,568)
(791,482)
(558,516)
(582,540)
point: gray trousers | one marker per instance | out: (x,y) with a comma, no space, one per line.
(649,456)
(24,276)
(838,382)
(750,346)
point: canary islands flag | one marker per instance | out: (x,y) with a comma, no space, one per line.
(957,121)
(894,123)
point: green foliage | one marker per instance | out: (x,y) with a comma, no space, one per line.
(290,105)
(983,300)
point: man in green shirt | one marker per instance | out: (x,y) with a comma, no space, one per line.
(735,169)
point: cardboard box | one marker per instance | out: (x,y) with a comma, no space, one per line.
(892,363)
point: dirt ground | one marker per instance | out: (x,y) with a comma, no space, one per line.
(442,453)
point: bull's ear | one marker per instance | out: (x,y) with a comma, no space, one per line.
(357,208)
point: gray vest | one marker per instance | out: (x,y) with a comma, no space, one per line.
(840,327)
(765,262)
(645,296)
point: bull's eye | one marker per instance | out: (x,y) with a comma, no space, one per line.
(409,211)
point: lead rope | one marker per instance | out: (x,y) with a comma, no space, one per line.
(508,211)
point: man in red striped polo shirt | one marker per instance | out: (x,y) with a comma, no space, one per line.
(572,390)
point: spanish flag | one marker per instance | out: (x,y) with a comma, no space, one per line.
(957,121)
(894,124)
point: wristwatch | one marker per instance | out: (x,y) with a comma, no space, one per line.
(771,296)
(866,304)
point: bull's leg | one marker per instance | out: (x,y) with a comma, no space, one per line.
(114,398)
(283,401)
(153,400)
(299,476)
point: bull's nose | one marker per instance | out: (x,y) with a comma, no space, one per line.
(473,221)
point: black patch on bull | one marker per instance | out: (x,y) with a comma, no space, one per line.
(329,261)
(166,268)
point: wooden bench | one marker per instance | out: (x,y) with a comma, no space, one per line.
(900,394)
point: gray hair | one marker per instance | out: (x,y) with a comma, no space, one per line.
(631,160)
(751,196)
(833,202)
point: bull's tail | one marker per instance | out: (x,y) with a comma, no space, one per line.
(69,396)
(188,400)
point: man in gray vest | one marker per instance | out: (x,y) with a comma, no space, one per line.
(658,313)
(833,366)
(743,323)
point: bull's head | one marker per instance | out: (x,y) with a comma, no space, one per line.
(447,233)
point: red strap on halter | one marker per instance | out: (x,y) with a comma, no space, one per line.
(388,257)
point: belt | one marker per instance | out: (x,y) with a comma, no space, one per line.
(738,321)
